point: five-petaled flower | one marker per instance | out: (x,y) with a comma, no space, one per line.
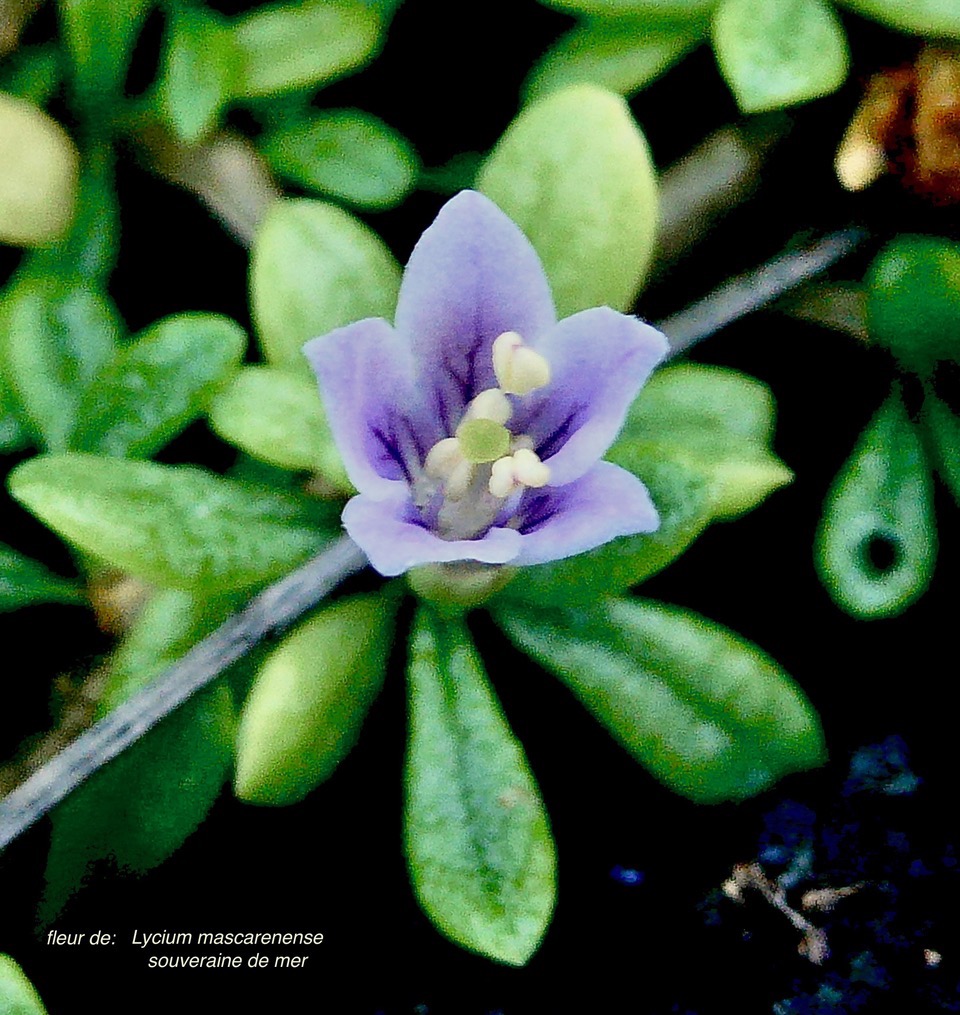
(473,429)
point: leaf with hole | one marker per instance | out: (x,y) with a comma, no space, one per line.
(157,384)
(876,545)
(175,526)
(309,700)
(778,54)
(705,711)
(314,268)
(277,416)
(477,838)
(575,174)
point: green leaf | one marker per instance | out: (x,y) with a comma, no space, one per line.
(175,526)
(921,17)
(778,54)
(913,300)
(32,72)
(169,625)
(942,426)
(99,37)
(624,56)
(477,837)
(309,700)
(13,436)
(38,174)
(88,251)
(720,419)
(682,498)
(289,46)
(200,64)
(158,384)
(649,9)
(574,172)
(24,582)
(346,153)
(17,993)
(277,416)
(315,268)
(55,338)
(137,810)
(706,712)
(876,545)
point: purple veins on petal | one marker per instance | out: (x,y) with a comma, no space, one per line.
(474,429)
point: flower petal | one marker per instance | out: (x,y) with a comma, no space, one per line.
(387,532)
(599,359)
(472,276)
(365,371)
(562,521)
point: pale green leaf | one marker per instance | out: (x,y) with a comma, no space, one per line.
(314,268)
(706,712)
(38,174)
(921,17)
(174,526)
(277,416)
(778,54)
(477,837)
(574,172)
(309,700)
(17,994)
(55,338)
(624,56)
(289,46)
(157,384)
(347,154)
(719,419)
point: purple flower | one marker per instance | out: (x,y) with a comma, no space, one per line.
(473,429)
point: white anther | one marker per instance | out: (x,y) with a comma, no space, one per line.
(519,368)
(529,470)
(522,440)
(490,404)
(512,472)
(458,482)
(443,458)
(502,482)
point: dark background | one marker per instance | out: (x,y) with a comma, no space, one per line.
(450,82)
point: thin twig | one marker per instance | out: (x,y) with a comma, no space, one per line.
(746,293)
(273,609)
(282,603)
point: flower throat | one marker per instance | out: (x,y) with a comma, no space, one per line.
(478,475)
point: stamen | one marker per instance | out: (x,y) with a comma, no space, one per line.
(443,458)
(490,404)
(519,368)
(513,472)
(529,470)
(458,482)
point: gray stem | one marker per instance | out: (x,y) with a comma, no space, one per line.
(273,609)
